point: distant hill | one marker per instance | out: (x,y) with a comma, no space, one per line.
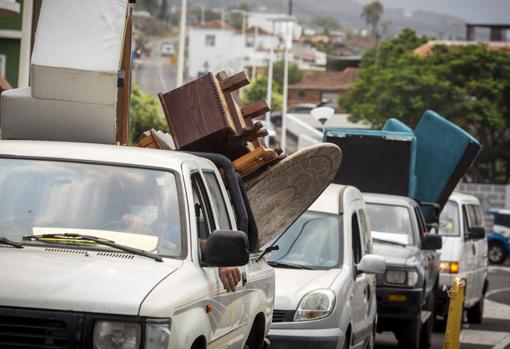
(348,13)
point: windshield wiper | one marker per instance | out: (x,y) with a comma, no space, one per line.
(88,238)
(389,242)
(287,265)
(5,241)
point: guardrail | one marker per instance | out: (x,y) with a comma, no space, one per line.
(455,314)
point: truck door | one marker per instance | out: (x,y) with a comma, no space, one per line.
(221,316)
(479,249)
(430,258)
(238,302)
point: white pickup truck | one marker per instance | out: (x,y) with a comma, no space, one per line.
(100,247)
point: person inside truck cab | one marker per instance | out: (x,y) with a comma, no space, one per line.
(144,215)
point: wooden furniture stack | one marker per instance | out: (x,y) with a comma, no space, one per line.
(204,116)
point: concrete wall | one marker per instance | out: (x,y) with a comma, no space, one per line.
(490,195)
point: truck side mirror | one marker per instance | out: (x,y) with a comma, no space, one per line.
(226,248)
(432,242)
(476,233)
(371,264)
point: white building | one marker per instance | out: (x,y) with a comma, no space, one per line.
(271,23)
(216,46)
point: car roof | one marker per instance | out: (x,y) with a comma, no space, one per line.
(464,198)
(388,199)
(102,153)
(334,197)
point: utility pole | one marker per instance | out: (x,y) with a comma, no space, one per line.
(182,43)
(26,41)
(287,25)
(290,7)
(202,14)
(270,81)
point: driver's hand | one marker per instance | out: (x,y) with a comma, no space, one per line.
(230,277)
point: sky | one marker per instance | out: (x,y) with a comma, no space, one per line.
(491,11)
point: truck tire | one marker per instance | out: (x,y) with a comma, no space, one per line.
(475,313)
(409,334)
(427,327)
(497,252)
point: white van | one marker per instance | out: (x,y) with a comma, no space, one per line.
(464,253)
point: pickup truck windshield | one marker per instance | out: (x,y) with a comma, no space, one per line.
(130,206)
(391,223)
(314,241)
(449,220)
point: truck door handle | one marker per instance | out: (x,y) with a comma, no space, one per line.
(244,278)
(474,248)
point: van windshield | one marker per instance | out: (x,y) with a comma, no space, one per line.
(314,241)
(391,223)
(449,220)
(131,206)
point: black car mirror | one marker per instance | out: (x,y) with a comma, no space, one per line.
(432,242)
(226,248)
(476,233)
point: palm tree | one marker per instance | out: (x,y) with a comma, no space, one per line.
(372,15)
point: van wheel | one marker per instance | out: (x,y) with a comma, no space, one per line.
(475,313)
(497,252)
(409,336)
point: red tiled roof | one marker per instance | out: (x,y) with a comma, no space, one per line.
(426,49)
(327,80)
(215,24)
(261,31)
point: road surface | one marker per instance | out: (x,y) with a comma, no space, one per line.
(156,73)
(493,332)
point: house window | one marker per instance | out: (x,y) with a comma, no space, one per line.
(302,94)
(3,63)
(210,40)
(329,97)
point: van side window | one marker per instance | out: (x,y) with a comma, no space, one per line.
(203,213)
(475,217)
(356,239)
(465,218)
(217,200)
(365,232)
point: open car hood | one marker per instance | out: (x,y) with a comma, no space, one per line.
(425,164)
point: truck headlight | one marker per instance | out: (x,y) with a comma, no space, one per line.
(157,334)
(315,305)
(398,277)
(117,335)
(401,277)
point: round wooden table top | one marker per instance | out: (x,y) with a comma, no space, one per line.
(284,191)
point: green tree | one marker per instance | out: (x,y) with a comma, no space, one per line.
(145,114)
(372,13)
(257,90)
(469,85)
(295,74)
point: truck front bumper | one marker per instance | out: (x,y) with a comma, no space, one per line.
(328,338)
(395,305)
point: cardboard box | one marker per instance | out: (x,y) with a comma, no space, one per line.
(77,51)
(29,118)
